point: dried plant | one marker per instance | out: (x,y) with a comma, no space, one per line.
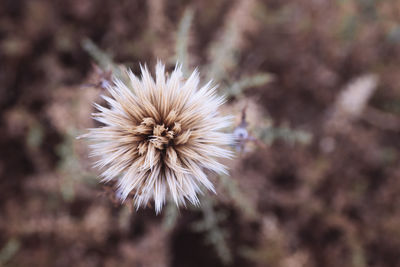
(351,102)
(224,50)
(159,137)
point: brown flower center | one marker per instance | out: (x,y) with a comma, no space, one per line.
(160,135)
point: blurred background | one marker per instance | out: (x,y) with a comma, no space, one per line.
(315,88)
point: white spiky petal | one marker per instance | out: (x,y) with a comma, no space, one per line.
(159,136)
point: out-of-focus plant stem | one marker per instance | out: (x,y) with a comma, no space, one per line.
(182,39)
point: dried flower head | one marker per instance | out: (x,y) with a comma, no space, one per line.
(159,136)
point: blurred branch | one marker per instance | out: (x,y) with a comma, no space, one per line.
(103,59)
(182,39)
(171,216)
(9,250)
(238,197)
(255,80)
(270,134)
(71,167)
(382,120)
(224,50)
(214,234)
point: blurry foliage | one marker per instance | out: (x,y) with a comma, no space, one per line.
(9,250)
(215,235)
(237,88)
(35,136)
(171,216)
(238,197)
(288,135)
(104,60)
(71,168)
(182,40)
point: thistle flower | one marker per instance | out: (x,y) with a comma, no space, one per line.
(159,136)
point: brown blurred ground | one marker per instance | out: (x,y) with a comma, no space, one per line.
(332,202)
